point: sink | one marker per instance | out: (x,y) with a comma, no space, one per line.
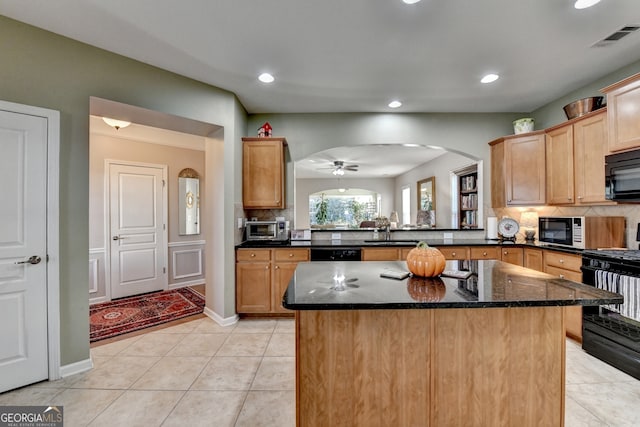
(392,242)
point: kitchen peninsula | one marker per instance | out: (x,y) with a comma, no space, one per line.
(484,350)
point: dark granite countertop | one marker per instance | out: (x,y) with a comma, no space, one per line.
(491,284)
(365,243)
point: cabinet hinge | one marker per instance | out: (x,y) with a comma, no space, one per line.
(164,270)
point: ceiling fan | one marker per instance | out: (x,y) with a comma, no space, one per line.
(339,167)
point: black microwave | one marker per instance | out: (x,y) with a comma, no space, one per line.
(622,176)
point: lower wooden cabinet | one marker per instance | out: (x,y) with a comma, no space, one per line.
(512,255)
(455,252)
(533,259)
(567,266)
(262,276)
(380,254)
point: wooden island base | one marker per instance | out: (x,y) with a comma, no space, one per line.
(430,367)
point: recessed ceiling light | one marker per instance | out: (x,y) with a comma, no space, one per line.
(410,1)
(266,78)
(395,104)
(583,4)
(490,78)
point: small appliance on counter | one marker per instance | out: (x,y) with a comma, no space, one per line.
(266,231)
(582,232)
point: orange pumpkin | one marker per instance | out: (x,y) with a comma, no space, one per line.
(425,261)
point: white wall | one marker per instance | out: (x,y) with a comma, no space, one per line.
(440,167)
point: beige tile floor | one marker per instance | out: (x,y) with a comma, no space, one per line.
(199,373)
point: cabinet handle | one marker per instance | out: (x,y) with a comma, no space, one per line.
(290,255)
(453,254)
(505,253)
(579,197)
(266,267)
(569,198)
(562,276)
(253,255)
(277,267)
(484,254)
(561,261)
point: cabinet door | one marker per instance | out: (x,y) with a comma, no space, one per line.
(282,274)
(498,178)
(380,254)
(623,99)
(512,255)
(263,173)
(253,287)
(533,259)
(525,175)
(590,147)
(559,154)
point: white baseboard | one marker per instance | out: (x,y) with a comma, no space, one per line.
(183,284)
(76,368)
(98,300)
(220,320)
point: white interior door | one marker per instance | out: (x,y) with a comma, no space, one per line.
(138,239)
(23,246)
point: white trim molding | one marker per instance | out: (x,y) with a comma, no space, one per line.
(179,285)
(187,243)
(197,272)
(93,275)
(228,321)
(76,368)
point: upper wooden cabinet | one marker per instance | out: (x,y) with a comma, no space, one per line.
(263,173)
(623,111)
(518,170)
(575,161)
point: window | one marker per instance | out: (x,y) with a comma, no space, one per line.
(342,208)
(406,205)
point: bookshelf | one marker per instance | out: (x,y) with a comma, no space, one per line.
(468,198)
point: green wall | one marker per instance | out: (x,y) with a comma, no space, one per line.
(46,70)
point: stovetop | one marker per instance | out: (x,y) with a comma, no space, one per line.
(620,254)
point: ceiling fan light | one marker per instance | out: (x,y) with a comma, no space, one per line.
(116,124)
(395,104)
(338,171)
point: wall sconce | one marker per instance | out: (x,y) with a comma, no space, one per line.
(529,222)
(114,123)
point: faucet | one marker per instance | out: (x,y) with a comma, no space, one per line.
(387,232)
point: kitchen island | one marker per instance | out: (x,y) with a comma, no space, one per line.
(484,350)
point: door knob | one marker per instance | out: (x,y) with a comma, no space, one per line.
(32,260)
(117,238)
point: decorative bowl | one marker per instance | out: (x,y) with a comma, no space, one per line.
(583,106)
(523,125)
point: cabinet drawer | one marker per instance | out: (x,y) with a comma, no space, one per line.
(454,252)
(484,252)
(563,261)
(253,255)
(380,254)
(291,254)
(565,274)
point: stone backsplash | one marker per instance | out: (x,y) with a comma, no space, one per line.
(630,211)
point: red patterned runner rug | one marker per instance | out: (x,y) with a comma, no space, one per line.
(121,316)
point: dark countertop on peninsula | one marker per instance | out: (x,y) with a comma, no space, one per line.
(492,284)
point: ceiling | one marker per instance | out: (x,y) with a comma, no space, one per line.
(374,161)
(357,55)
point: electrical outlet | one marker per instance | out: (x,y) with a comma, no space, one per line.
(239,222)
(447,235)
(336,236)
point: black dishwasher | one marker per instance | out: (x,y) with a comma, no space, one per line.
(335,254)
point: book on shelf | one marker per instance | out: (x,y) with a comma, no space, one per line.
(468,183)
(469,201)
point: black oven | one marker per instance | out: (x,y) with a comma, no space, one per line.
(612,332)
(622,176)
